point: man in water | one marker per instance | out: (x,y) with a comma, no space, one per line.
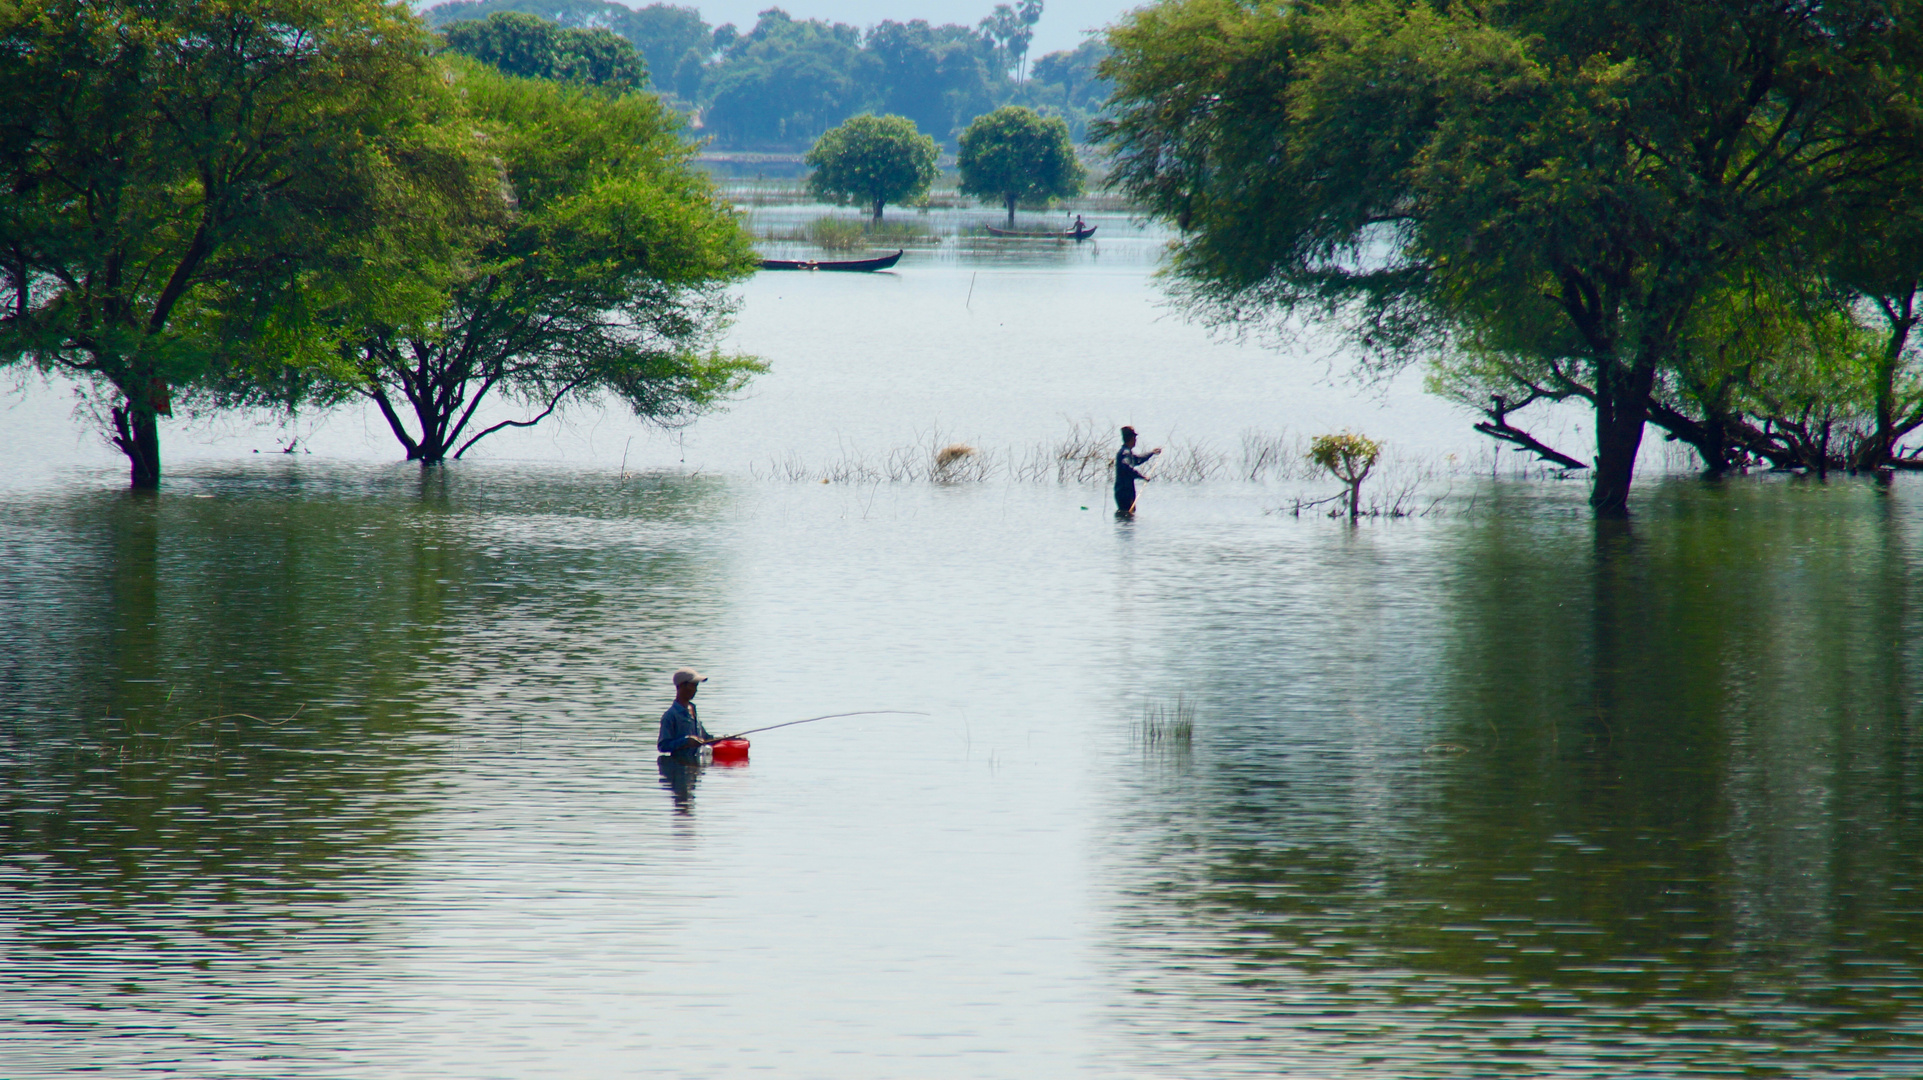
(681,732)
(1125,475)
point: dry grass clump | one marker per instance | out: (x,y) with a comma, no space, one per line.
(947,456)
(956,462)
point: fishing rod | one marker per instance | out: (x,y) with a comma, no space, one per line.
(830,716)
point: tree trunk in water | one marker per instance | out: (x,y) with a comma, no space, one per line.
(1011,211)
(1878,450)
(433,447)
(1622,407)
(1714,448)
(137,434)
(878,206)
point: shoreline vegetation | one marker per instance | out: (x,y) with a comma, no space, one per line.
(765,191)
(1546,204)
(840,232)
(1402,485)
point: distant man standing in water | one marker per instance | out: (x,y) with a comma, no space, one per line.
(1125,475)
(681,732)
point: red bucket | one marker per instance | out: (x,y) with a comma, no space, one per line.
(729,751)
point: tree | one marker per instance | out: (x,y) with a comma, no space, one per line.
(933,75)
(1015,154)
(1349,458)
(531,47)
(783,82)
(607,277)
(1563,181)
(873,160)
(662,32)
(1011,28)
(162,230)
(1877,262)
(1068,84)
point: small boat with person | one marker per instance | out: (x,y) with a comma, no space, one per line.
(1079,232)
(857,265)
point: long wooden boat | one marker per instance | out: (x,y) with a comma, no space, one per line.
(882,263)
(1082,233)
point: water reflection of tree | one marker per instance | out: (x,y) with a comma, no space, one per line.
(1665,814)
(365,624)
(142,821)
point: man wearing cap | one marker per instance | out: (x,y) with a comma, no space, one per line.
(1125,474)
(681,730)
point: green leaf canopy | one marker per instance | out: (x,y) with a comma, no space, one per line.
(607,275)
(186,179)
(1015,155)
(1566,180)
(531,47)
(874,161)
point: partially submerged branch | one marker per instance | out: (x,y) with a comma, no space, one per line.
(1498,427)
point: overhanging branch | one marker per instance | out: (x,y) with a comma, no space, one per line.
(1498,427)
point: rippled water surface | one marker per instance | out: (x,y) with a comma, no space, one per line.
(322,767)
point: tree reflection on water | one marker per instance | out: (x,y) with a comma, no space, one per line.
(174,871)
(1639,799)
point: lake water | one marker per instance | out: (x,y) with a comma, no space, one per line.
(1496,791)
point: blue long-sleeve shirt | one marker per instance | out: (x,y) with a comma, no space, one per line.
(680,723)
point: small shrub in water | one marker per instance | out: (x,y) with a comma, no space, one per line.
(1349,457)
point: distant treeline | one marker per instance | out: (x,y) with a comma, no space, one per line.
(785,81)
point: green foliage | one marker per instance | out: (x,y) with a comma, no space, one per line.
(1563,183)
(1348,457)
(1069,84)
(1015,154)
(839,233)
(938,76)
(530,47)
(607,276)
(786,81)
(873,161)
(663,33)
(167,236)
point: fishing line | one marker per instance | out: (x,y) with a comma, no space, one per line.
(830,716)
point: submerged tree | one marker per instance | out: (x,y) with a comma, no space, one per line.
(1015,154)
(1561,182)
(873,161)
(1349,458)
(607,276)
(1877,265)
(158,224)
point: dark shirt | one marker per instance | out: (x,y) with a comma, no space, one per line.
(1125,462)
(678,725)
